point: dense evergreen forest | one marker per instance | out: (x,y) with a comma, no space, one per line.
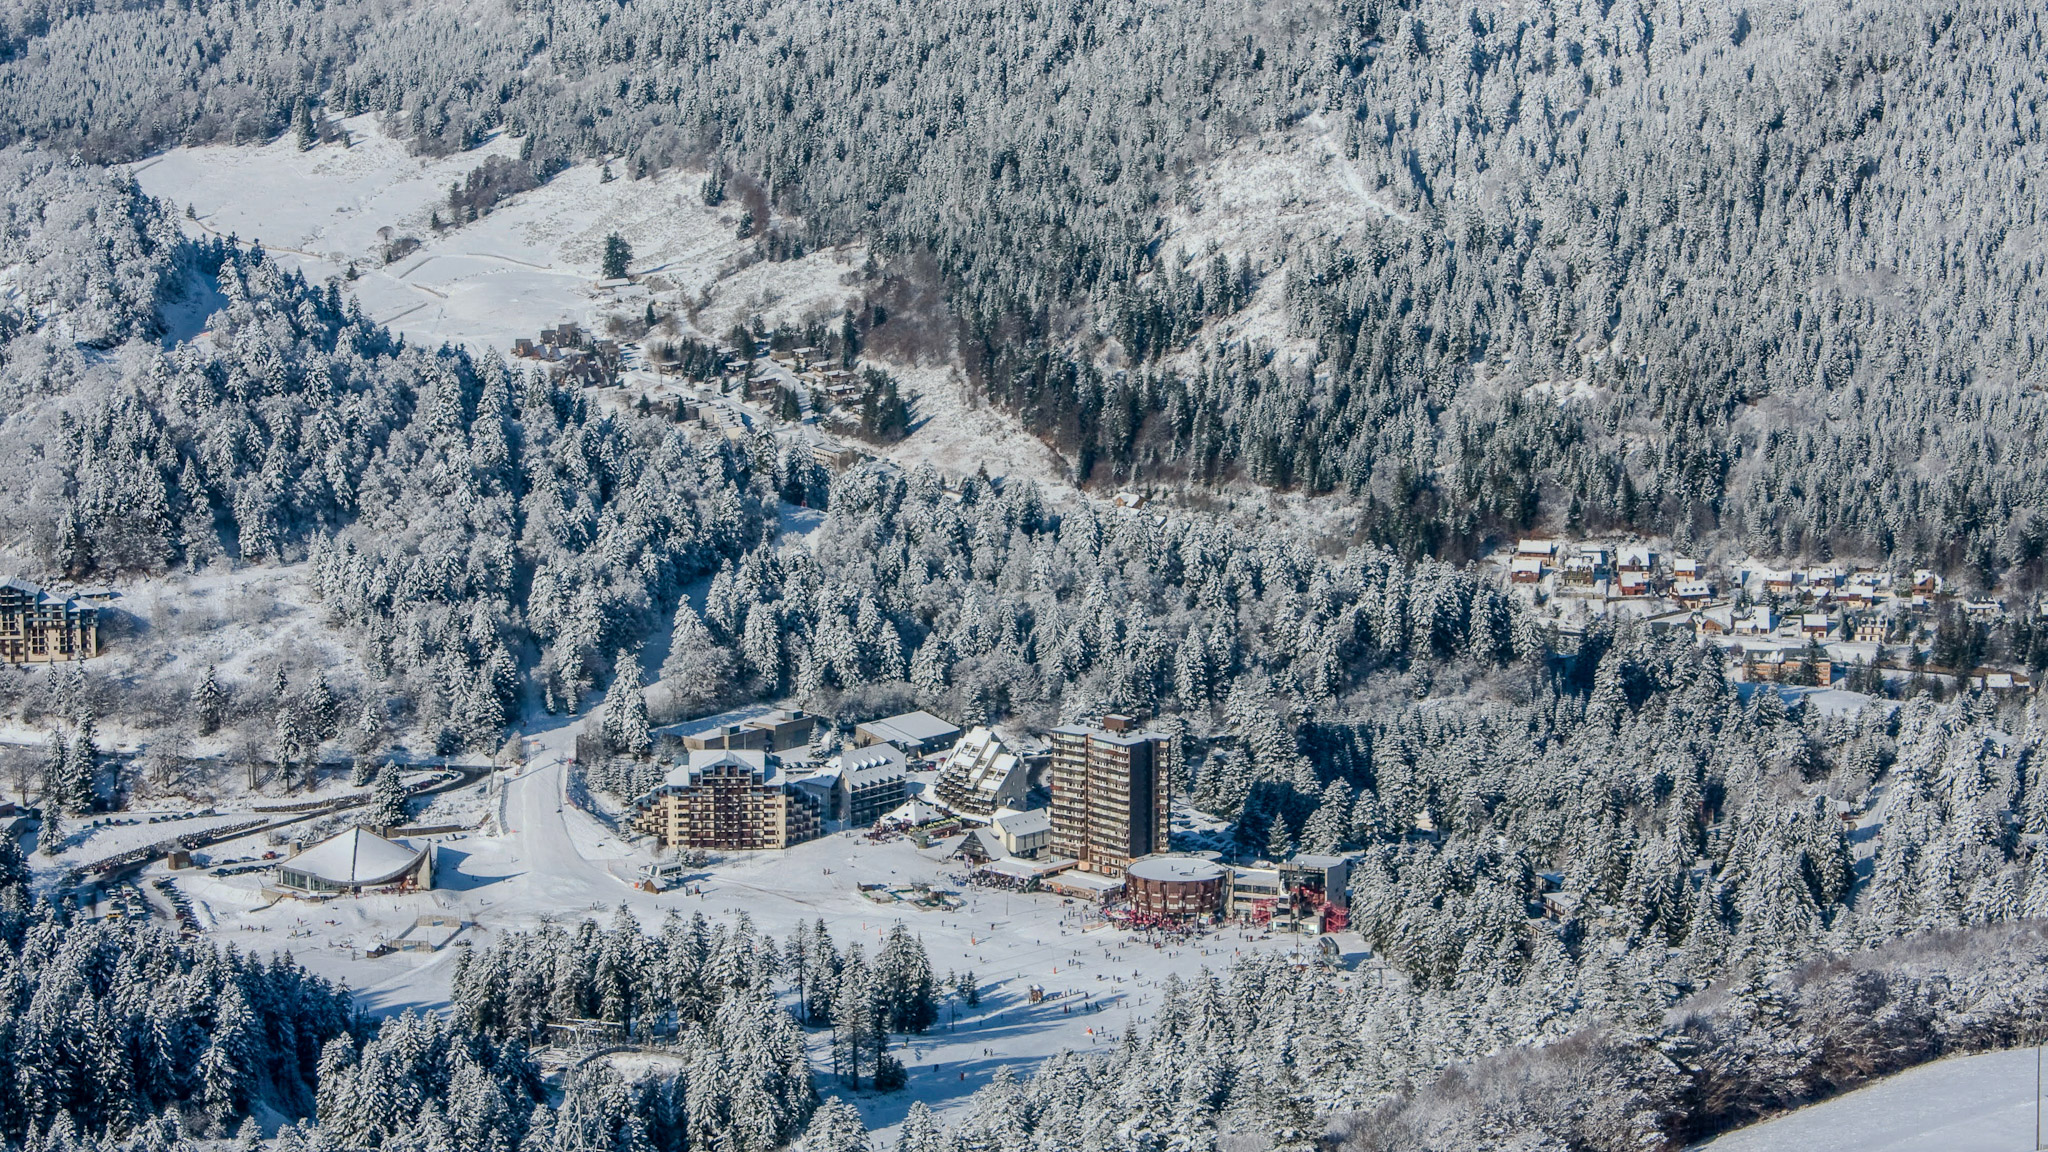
(1780,262)
(1767,279)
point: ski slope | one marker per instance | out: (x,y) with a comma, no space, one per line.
(1982,1103)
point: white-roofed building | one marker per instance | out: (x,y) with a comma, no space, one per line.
(871,783)
(355,860)
(914,813)
(981,775)
(1023,833)
(915,732)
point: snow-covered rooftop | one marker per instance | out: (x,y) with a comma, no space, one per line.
(356,857)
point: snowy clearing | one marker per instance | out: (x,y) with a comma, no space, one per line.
(1981,1103)
(531,263)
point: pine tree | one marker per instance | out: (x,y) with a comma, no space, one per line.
(323,712)
(209,703)
(697,672)
(368,736)
(289,745)
(835,1127)
(902,982)
(625,724)
(1277,839)
(387,807)
(302,123)
(80,771)
(618,255)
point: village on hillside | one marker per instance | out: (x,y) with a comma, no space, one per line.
(1819,626)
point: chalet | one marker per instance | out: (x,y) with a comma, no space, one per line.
(1685,568)
(1926,583)
(1542,549)
(1023,834)
(1758,621)
(1780,581)
(1636,558)
(1867,628)
(1718,620)
(1692,593)
(1825,578)
(1635,582)
(1525,570)
(1814,625)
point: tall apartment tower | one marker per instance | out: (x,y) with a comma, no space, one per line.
(1109,793)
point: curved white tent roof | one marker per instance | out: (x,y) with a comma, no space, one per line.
(357,857)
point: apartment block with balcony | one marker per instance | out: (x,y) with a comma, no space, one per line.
(1110,793)
(38,628)
(732,799)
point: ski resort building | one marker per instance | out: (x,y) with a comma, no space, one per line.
(733,799)
(1109,793)
(776,731)
(981,775)
(38,628)
(1023,834)
(357,859)
(871,784)
(1177,887)
(915,732)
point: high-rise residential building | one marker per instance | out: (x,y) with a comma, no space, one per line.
(1109,793)
(730,799)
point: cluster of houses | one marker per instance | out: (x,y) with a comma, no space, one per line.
(571,351)
(1083,815)
(1769,617)
(1601,572)
(744,781)
(797,368)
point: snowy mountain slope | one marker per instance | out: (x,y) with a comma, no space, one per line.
(1982,1103)
(534,261)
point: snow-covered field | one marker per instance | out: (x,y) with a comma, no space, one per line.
(531,263)
(1979,1103)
